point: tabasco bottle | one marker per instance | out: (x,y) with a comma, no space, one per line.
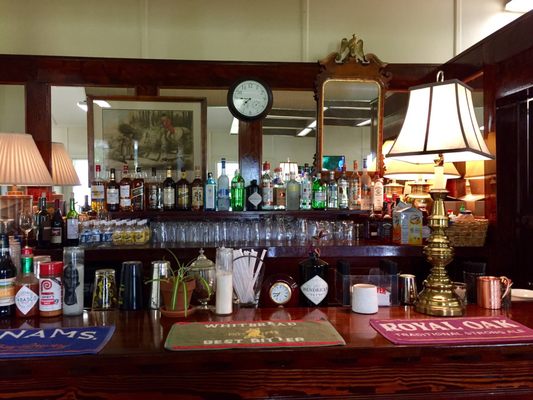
(26,287)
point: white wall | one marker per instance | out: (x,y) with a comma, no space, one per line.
(12,116)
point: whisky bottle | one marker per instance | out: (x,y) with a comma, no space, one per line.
(183,192)
(137,191)
(169,192)
(197,191)
(366,189)
(125,190)
(154,195)
(112,192)
(98,191)
(377,196)
(332,201)
(354,188)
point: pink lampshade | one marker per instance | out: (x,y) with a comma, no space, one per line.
(63,172)
(21,162)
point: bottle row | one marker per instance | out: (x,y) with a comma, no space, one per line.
(275,191)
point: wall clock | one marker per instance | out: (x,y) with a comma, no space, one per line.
(280,290)
(249,99)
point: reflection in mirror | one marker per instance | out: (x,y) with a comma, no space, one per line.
(349,123)
(289,131)
(69,126)
(12,115)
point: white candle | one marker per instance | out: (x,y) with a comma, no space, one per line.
(224,293)
(439,182)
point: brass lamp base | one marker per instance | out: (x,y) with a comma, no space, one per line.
(438,298)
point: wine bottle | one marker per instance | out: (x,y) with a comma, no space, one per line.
(44,224)
(8,273)
(197,191)
(125,190)
(73,223)
(313,281)
(223,200)
(169,191)
(183,192)
(56,231)
(210,193)
(237,192)
(112,192)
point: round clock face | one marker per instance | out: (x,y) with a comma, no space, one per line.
(249,99)
(280,293)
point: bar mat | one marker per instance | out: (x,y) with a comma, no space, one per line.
(463,330)
(15,343)
(251,334)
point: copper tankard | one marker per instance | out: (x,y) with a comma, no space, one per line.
(491,290)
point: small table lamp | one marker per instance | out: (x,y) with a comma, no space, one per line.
(21,164)
(63,172)
(440,124)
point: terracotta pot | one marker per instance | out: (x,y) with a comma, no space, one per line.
(166,292)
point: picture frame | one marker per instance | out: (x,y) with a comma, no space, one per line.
(147,131)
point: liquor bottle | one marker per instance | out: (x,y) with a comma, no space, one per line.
(385,226)
(125,190)
(253,196)
(313,281)
(112,192)
(73,223)
(86,207)
(8,273)
(210,193)
(197,191)
(293,193)
(267,190)
(26,287)
(237,192)
(306,190)
(137,191)
(354,188)
(319,193)
(56,231)
(366,189)
(332,201)
(280,199)
(372,224)
(44,224)
(154,195)
(169,191)
(183,192)
(223,201)
(98,191)
(377,196)
(343,187)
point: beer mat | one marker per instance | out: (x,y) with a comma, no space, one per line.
(251,334)
(462,330)
(15,343)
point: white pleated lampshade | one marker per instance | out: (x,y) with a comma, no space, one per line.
(63,172)
(20,161)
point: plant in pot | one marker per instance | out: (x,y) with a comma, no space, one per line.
(178,288)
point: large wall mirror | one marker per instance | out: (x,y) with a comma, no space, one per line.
(350,112)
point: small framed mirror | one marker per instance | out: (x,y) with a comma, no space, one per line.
(350,99)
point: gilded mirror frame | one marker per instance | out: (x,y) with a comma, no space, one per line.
(360,68)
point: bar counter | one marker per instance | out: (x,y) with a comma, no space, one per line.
(135,365)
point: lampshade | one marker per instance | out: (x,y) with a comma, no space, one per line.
(63,172)
(405,171)
(440,119)
(20,161)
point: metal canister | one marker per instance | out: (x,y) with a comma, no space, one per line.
(160,270)
(408,293)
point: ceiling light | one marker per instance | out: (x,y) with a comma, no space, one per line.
(522,6)
(234,130)
(83,105)
(364,123)
(306,131)
(101,103)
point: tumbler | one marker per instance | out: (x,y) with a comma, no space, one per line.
(130,291)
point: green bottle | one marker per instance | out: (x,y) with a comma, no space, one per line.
(319,196)
(237,192)
(73,223)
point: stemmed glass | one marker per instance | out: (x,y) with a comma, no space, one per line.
(25,220)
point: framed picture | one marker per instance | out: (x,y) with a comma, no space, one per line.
(147,132)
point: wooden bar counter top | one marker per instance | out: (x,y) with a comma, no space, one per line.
(135,365)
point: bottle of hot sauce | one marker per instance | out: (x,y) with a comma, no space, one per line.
(26,287)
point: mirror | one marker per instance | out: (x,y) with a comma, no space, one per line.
(350,92)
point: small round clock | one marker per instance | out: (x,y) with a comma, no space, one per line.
(249,99)
(279,290)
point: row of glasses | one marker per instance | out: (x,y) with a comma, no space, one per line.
(275,230)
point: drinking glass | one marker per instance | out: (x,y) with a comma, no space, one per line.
(25,220)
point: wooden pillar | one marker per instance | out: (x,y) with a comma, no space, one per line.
(250,149)
(39,118)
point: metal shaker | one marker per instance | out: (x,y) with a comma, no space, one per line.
(160,270)
(408,292)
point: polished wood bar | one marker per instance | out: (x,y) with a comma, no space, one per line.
(135,365)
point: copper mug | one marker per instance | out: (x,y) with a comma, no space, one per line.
(491,290)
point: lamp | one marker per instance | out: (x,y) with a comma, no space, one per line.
(63,172)
(440,122)
(20,164)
